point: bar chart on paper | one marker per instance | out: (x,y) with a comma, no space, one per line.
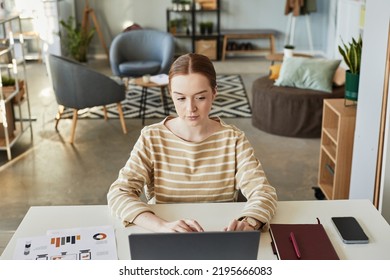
(58,241)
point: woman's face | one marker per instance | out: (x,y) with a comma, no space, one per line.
(193,98)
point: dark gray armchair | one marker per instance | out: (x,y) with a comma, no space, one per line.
(78,87)
(139,52)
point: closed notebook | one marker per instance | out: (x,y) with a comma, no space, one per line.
(311,242)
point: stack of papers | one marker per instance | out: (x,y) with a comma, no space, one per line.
(161,79)
(92,243)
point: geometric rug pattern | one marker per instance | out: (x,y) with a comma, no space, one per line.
(231,102)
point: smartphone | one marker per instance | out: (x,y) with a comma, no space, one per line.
(350,230)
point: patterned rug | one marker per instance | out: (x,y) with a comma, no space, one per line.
(231,102)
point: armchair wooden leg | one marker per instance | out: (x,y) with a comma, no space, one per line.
(74,123)
(122,118)
(105,113)
(125,80)
(58,115)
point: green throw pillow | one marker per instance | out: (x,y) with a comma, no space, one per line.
(308,73)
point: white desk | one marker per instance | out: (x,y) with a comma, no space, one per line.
(214,216)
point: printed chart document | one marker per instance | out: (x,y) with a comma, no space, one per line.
(90,243)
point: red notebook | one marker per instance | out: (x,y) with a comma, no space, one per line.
(301,241)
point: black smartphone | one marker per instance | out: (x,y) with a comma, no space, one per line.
(350,230)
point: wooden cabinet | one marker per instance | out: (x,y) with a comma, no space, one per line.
(338,129)
(191,23)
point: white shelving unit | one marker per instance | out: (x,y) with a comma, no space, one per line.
(31,37)
(15,112)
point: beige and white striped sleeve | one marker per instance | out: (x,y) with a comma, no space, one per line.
(250,178)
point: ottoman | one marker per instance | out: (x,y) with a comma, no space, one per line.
(288,111)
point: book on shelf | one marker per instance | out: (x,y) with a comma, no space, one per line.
(302,242)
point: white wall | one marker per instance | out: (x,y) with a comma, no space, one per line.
(370,99)
(250,14)
(384,203)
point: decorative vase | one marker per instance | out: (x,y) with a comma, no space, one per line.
(202,28)
(351,85)
(288,51)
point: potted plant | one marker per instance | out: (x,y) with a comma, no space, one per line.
(77,39)
(352,54)
(209,27)
(173,26)
(9,87)
(288,50)
(202,27)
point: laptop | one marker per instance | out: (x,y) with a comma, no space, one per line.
(212,245)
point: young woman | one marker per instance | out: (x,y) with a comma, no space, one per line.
(192,158)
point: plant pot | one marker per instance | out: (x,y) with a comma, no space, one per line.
(8,90)
(202,30)
(209,29)
(172,30)
(351,86)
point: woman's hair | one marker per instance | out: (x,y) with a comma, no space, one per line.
(192,63)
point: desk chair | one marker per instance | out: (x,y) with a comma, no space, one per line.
(139,52)
(78,87)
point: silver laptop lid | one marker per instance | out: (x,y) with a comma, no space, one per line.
(215,245)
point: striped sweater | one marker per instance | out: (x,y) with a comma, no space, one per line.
(169,169)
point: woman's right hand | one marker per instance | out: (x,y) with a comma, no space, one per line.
(184,225)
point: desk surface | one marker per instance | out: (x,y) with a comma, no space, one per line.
(214,216)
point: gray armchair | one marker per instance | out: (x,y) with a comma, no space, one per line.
(139,52)
(78,87)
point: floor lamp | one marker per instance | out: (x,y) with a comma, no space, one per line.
(85,24)
(289,40)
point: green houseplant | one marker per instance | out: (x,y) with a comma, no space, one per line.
(352,54)
(77,39)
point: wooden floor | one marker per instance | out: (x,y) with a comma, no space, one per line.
(5,237)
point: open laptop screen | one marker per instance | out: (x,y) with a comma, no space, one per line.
(215,245)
